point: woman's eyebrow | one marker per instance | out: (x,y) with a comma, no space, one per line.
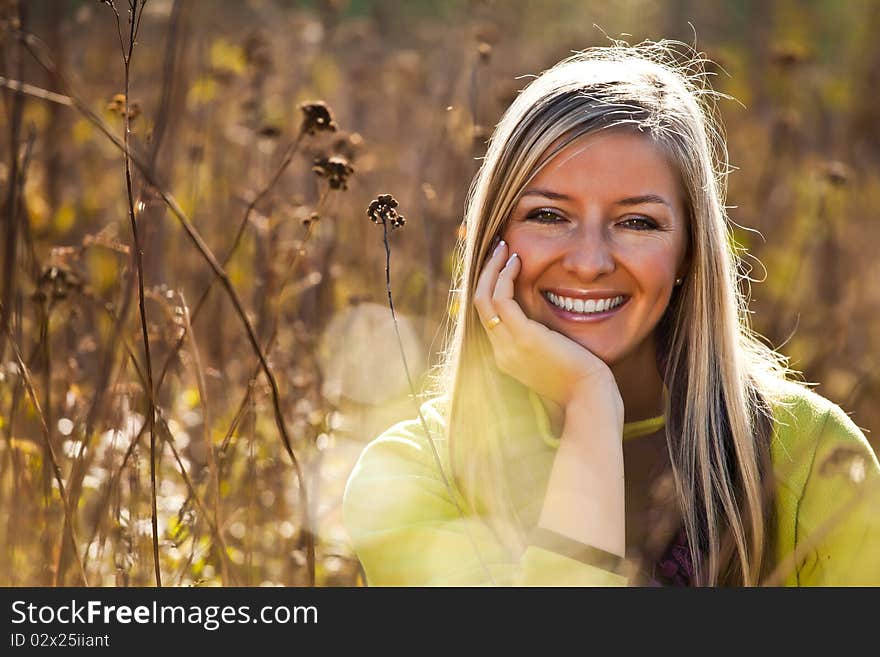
(644,198)
(556,196)
(629,200)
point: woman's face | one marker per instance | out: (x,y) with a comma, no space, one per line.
(601,233)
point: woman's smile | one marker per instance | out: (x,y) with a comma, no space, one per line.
(593,307)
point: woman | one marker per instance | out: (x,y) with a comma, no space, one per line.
(603,414)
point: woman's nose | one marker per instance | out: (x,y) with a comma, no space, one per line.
(589,256)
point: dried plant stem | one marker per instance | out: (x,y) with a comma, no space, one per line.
(12,525)
(17,184)
(18,467)
(117,475)
(270,343)
(80,464)
(412,390)
(106,375)
(169,68)
(107,308)
(12,204)
(206,424)
(247,407)
(285,162)
(45,360)
(252,483)
(276,394)
(35,91)
(213,525)
(134,17)
(70,532)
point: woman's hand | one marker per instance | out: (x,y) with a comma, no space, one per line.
(551,364)
(585,494)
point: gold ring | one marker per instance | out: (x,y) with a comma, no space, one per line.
(493,322)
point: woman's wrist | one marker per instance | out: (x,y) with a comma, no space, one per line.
(593,399)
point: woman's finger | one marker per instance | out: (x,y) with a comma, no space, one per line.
(503,300)
(493,324)
(486,283)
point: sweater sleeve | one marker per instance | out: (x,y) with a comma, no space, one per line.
(838,517)
(411,527)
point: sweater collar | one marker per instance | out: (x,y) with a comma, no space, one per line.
(631,430)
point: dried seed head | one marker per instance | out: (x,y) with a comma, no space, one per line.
(317,117)
(382,210)
(335,169)
(57,281)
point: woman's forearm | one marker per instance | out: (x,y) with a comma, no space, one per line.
(585,496)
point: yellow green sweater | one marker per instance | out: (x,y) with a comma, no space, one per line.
(408,528)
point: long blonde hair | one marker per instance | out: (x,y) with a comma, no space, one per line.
(720,377)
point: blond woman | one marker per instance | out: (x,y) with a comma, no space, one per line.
(603,414)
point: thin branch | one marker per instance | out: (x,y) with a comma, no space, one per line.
(36,92)
(412,390)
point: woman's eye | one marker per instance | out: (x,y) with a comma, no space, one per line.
(639,223)
(544,216)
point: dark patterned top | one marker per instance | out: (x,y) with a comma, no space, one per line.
(675,568)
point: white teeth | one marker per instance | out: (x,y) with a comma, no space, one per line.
(584,306)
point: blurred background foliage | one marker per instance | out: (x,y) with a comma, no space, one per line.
(414,87)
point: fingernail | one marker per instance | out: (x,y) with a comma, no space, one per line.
(511,259)
(498,248)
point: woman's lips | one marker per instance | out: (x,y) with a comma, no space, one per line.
(573,316)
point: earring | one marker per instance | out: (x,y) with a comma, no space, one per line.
(678,281)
